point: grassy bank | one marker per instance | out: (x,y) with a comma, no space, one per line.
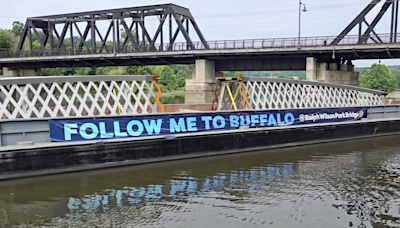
(173,93)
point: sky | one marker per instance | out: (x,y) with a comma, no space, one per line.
(225,19)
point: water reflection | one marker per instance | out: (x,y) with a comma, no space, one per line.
(175,99)
(185,186)
(348,184)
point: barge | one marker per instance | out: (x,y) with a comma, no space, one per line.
(53,125)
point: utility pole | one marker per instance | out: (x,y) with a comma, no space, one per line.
(304,10)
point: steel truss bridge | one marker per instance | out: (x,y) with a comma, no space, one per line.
(128,41)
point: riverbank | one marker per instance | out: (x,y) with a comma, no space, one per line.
(173,93)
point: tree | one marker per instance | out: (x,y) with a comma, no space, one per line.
(59,71)
(18,28)
(396,72)
(379,77)
(6,40)
(36,45)
(184,71)
(168,79)
(145,70)
(86,71)
(181,82)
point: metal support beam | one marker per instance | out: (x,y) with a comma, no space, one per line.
(51,37)
(146,35)
(38,37)
(62,37)
(392,23)
(221,96)
(23,37)
(129,34)
(72,38)
(130,31)
(175,36)
(396,19)
(114,36)
(159,29)
(184,32)
(366,35)
(170,32)
(356,21)
(202,39)
(46,37)
(136,61)
(369,32)
(137,32)
(162,35)
(141,37)
(376,35)
(93,38)
(118,37)
(83,37)
(30,40)
(104,41)
(141,23)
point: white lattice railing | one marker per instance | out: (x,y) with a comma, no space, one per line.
(269,93)
(66,96)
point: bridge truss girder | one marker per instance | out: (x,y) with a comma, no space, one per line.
(137,35)
(369,33)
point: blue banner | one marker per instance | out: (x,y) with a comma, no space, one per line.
(140,126)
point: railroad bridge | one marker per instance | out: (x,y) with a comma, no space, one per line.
(63,43)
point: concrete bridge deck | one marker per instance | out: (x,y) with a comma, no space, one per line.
(245,58)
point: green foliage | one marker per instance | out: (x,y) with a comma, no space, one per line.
(168,82)
(18,28)
(58,71)
(6,40)
(86,71)
(102,70)
(36,45)
(181,82)
(230,74)
(396,72)
(379,77)
(183,71)
(168,79)
(124,36)
(117,71)
(145,70)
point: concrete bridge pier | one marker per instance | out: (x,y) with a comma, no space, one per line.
(200,89)
(7,72)
(332,72)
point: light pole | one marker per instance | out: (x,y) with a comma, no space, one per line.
(304,10)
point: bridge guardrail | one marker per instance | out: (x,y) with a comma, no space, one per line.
(259,93)
(89,96)
(212,45)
